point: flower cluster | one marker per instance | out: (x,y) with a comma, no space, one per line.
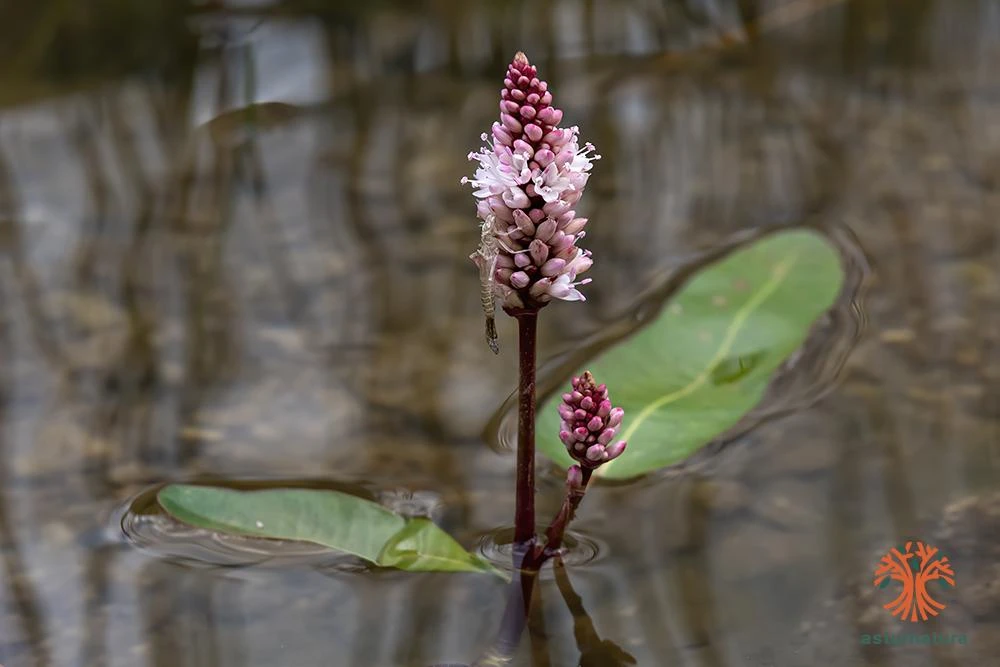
(589,423)
(531,173)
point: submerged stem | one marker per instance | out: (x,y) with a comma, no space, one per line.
(516,611)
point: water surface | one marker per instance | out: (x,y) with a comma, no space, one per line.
(233,245)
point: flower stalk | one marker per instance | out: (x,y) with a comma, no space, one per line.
(530,174)
(576,486)
(524,512)
(586,404)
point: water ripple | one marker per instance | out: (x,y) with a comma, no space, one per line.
(497,547)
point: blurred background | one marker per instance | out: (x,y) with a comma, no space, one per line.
(233,245)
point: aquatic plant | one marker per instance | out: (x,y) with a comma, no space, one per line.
(692,371)
(530,175)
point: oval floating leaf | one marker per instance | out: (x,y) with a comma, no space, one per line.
(332,519)
(707,358)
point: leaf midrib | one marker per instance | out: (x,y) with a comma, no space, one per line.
(766,290)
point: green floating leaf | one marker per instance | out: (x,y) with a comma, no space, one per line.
(885,582)
(332,519)
(422,546)
(708,357)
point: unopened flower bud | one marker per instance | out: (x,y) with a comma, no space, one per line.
(539,252)
(553,267)
(574,477)
(519,279)
(545,230)
(615,450)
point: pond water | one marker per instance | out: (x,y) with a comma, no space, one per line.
(233,246)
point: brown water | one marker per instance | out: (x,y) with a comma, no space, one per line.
(192,289)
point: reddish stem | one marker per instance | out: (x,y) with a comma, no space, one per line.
(524,514)
(557,529)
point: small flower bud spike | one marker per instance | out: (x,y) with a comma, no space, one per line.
(589,423)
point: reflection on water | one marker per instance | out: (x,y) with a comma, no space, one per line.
(233,245)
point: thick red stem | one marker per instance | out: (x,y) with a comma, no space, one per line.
(524,514)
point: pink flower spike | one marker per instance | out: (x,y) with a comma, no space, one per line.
(529,175)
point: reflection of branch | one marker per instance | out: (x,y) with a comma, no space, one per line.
(594,651)
(99,562)
(26,608)
(515,614)
(10,236)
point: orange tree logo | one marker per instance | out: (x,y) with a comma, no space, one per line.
(917,565)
